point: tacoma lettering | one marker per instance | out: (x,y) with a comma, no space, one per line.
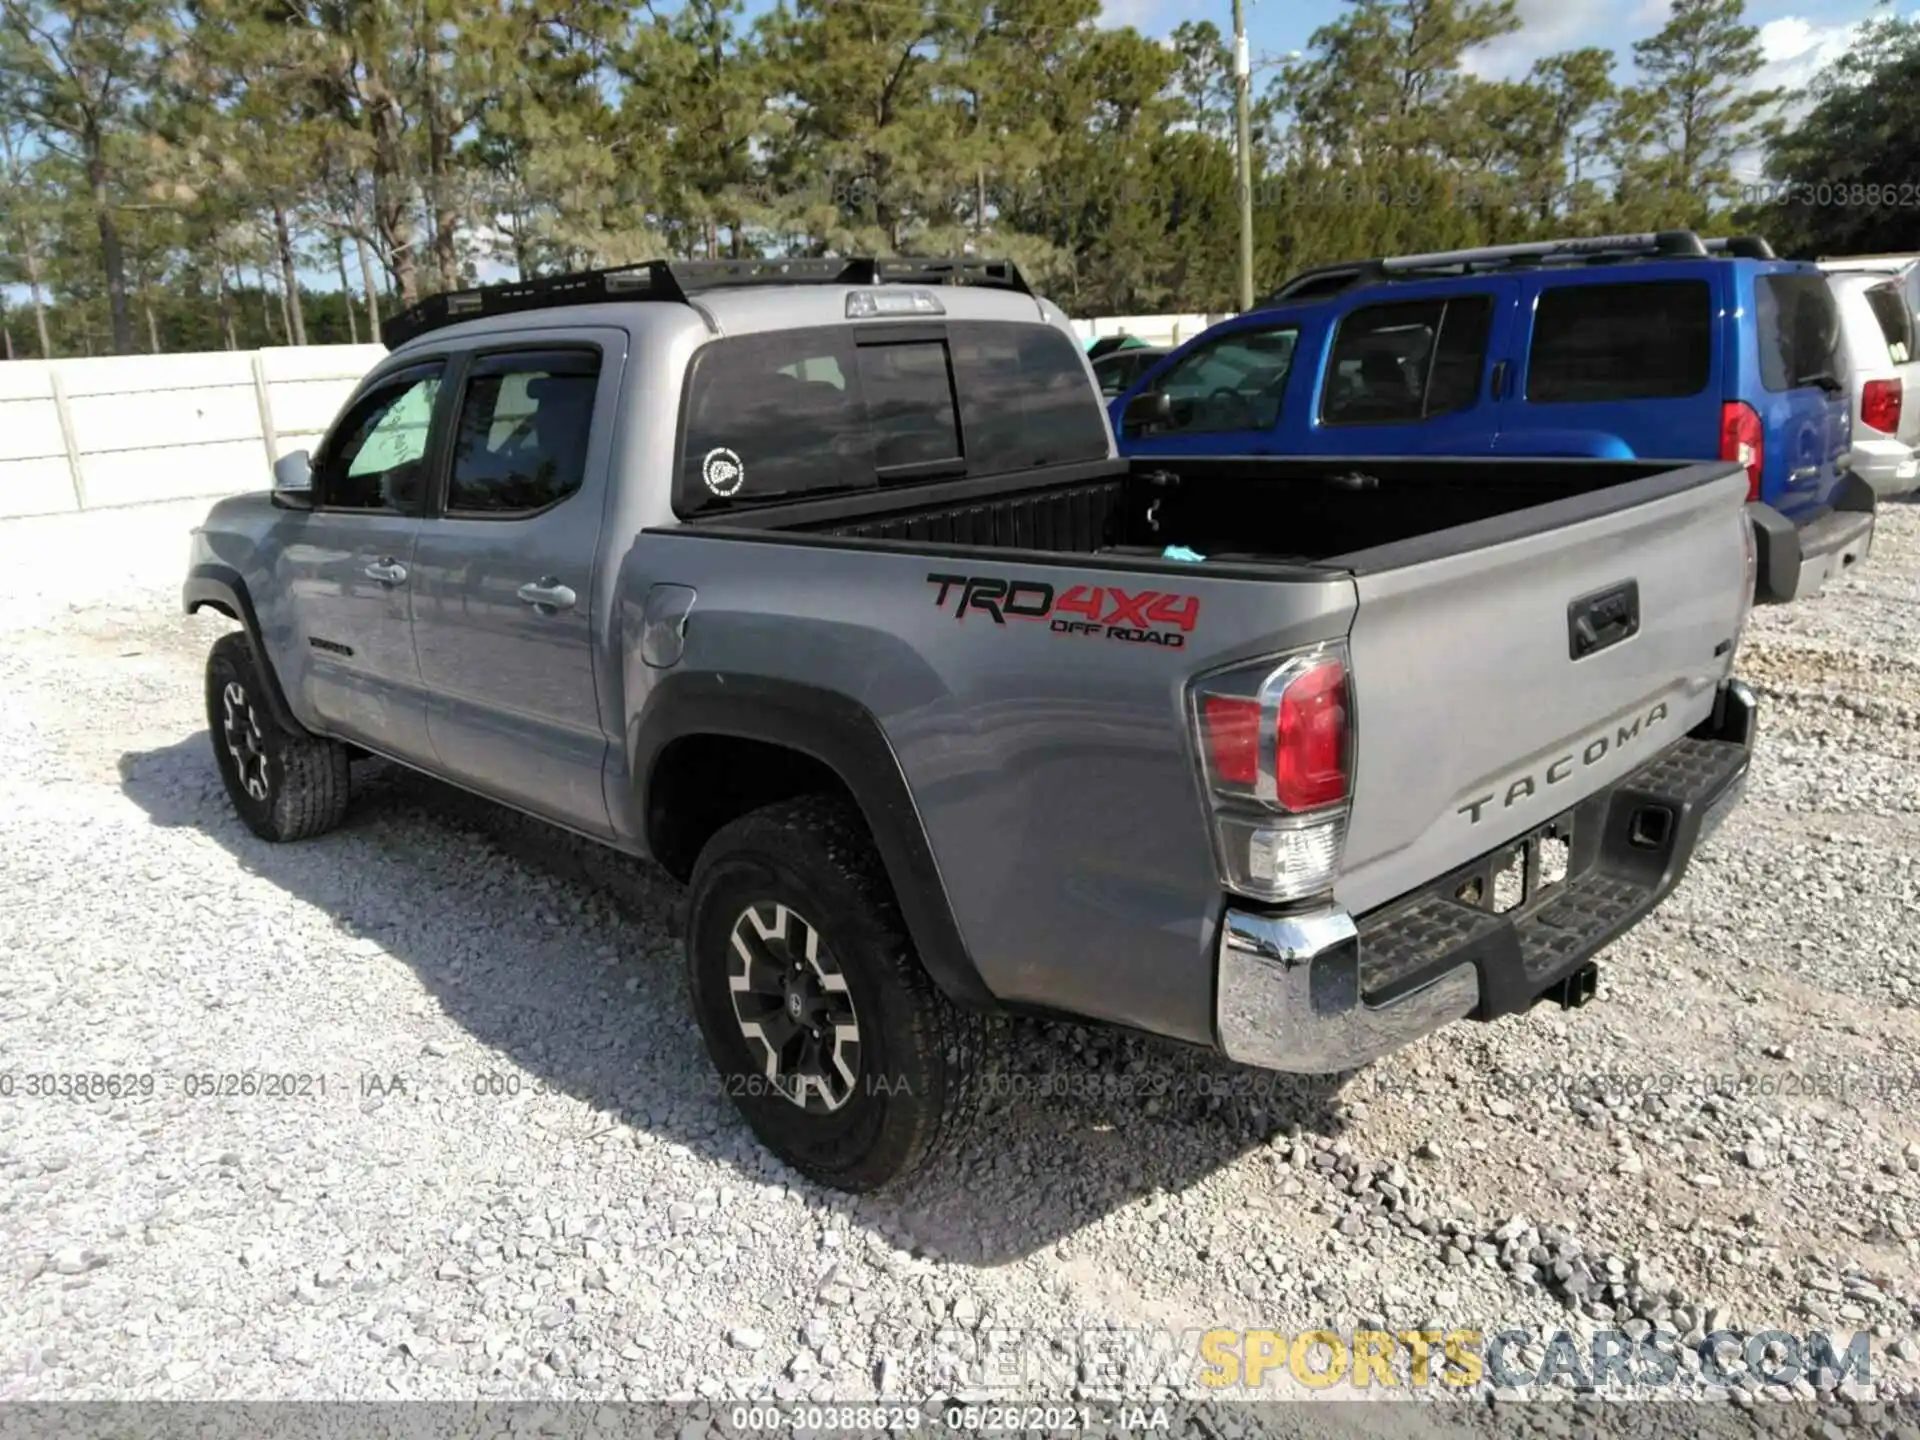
(1523,787)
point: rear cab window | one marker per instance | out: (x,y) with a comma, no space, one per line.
(1797,324)
(843,408)
(1637,340)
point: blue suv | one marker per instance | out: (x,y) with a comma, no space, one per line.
(1660,346)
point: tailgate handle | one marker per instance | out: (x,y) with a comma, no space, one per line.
(1606,617)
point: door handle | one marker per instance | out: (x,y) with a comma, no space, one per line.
(1606,617)
(387,571)
(1499,386)
(548,595)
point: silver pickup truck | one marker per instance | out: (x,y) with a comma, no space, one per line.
(819,582)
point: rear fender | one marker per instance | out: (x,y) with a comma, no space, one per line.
(845,737)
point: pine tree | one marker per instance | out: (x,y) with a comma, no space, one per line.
(79,71)
(1693,113)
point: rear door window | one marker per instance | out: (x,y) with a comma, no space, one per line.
(521,443)
(1409,361)
(1798,324)
(1646,340)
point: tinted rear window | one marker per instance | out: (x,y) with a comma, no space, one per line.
(809,412)
(1024,397)
(909,399)
(1798,324)
(1646,341)
(1889,307)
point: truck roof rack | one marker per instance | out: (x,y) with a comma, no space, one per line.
(1870,264)
(1582,250)
(676,281)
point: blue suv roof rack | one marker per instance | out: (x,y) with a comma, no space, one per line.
(1582,250)
(673,281)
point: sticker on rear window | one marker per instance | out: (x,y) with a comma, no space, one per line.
(722,471)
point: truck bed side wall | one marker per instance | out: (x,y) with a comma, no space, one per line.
(1051,770)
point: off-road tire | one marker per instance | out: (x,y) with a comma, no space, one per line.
(304,777)
(921,1058)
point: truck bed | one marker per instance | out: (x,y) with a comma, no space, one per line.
(1520,635)
(1338,513)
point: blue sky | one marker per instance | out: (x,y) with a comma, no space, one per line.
(1797,35)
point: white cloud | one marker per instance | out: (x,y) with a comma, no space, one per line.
(1141,14)
(1545,27)
(1797,48)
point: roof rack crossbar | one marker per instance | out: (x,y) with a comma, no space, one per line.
(1325,280)
(1679,243)
(674,281)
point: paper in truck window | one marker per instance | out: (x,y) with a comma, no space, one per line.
(399,437)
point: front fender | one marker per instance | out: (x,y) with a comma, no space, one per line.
(215,585)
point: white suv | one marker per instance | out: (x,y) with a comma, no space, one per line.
(1878,298)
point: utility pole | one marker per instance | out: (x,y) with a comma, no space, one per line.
(1242,84)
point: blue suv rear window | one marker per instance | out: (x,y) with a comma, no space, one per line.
(1646,340)
(1799,330)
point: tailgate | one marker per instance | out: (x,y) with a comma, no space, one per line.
(1474,720)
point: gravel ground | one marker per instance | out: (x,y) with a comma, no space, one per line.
(505,1170)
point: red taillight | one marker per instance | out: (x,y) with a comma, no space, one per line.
(1233,738)
(1741,439)
(1880,405)
(1274,740)
(1305,704)
(1310,749)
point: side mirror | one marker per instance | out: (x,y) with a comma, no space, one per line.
(1155,407)
(293,481)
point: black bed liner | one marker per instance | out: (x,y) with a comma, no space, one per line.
(1243,515)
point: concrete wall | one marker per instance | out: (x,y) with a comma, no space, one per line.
(89,434)
(1154,329)
(125,430)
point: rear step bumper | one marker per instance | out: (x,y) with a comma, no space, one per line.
(1320,992)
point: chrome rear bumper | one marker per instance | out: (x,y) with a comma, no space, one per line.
(1292,991)
(1290,996)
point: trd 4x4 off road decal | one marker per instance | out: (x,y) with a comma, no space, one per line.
(1143,617)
